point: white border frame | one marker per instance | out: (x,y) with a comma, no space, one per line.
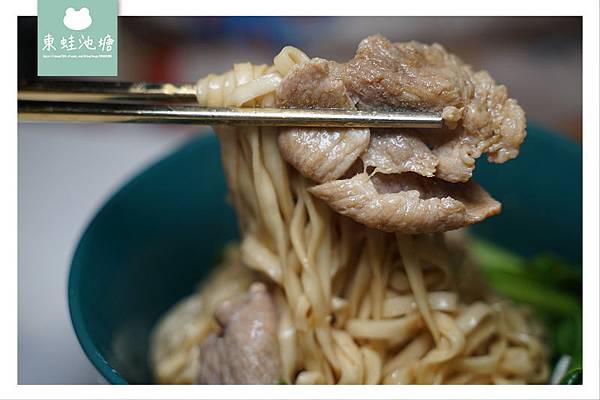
(8,228)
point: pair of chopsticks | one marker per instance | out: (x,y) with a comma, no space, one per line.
(124,102)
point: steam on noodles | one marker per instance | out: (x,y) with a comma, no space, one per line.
(355,305)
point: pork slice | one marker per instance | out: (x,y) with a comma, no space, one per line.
(322,154)
(407,203)
(491,123)
(479,115)
(246,350)
(495,124)
(385,75)
(454,153)
(315,83)
(399,151)
(318,153)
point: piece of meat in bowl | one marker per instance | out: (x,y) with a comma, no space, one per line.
(245,350)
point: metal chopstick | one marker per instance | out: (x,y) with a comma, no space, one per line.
(144,102)
(54,111)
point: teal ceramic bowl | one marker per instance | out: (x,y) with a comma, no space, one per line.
(161,233)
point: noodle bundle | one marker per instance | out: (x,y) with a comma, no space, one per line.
(355,305)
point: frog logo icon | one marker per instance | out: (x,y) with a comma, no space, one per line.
(77,20)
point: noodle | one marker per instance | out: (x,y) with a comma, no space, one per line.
(354,305)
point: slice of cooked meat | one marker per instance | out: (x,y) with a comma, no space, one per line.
(322,154)
(385,75)
(407,202)
(491,123)
(400,151)
(455,155)
(318,153)
(246,351)
(316,84)
(427,187)
(497,119)
(406,75)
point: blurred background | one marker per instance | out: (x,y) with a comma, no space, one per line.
(66,172)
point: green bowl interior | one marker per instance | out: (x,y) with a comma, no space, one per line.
(160,234)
